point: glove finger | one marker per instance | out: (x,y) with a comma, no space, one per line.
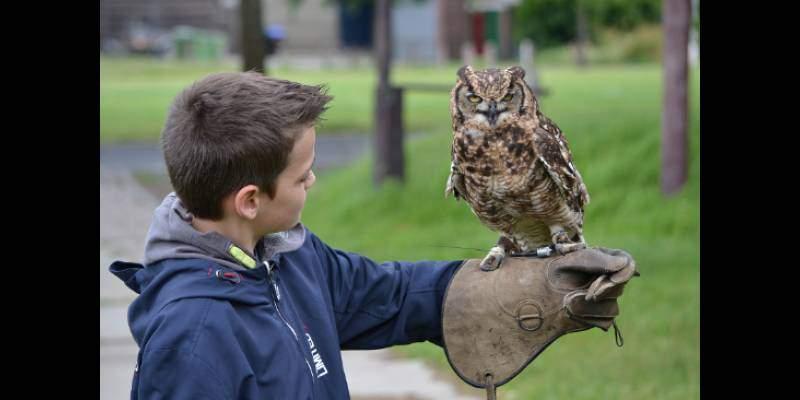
(605,290)
(624,274)
(614,252)
(592,261)
(591,292)
(600,313)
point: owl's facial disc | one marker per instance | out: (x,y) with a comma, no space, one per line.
(489,108)
(492,110)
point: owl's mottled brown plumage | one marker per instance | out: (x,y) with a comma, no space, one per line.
(512,165)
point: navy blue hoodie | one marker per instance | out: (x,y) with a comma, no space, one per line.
(213,322)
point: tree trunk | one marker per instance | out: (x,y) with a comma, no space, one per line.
(674,120)
(252,42)
(388,103)
(452,27)
(383,40)
(389,134)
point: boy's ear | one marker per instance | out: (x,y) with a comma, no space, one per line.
(246,202)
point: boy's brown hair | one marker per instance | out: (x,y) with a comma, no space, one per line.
(229,130)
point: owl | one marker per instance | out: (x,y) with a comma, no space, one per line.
(513,167)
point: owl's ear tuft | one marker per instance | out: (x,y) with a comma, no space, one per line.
(463,72)
(516,71)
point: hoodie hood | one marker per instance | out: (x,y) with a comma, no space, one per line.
(172,280)
(183,263)
(171,236)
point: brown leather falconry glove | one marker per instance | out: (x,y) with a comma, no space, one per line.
(497,322)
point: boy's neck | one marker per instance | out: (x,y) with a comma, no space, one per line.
(238,232)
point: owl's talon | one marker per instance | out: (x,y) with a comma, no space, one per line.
(493,260)
(564,248)
(490,263)
(560,237)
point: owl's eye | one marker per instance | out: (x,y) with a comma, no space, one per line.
(473,98)
(508,97)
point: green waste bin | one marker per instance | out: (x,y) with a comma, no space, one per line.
(198,44)
(183,39)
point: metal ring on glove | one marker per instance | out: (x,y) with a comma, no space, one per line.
(529,315)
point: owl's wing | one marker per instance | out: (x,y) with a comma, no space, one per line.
(553,152)
(455,181)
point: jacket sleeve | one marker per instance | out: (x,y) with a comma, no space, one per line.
(176,374)
(380,305)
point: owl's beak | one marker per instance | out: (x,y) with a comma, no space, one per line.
(492,113)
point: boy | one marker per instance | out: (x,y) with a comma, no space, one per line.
(237,299)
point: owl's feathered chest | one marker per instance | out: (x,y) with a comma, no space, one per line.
(503,158)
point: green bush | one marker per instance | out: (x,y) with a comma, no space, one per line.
(643,44)
(551,23)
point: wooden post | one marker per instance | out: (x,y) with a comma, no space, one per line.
(388,104)
(383,40)
(389,138)
(252,36)
(674,120)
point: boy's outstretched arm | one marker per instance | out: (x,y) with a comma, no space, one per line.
(380,305)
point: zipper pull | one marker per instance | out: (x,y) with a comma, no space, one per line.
(269,269)
(272,281)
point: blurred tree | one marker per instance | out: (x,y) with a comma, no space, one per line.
(453,30)
(624,14)
(553,22)
(388,103)
(674,120)
(547,22)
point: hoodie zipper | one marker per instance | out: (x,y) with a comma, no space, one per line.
(276,295)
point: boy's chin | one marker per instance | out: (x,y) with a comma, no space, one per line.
(283,227)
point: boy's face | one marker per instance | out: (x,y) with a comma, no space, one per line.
(283,212)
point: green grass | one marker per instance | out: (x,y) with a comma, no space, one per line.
(611,116)
(135,96)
